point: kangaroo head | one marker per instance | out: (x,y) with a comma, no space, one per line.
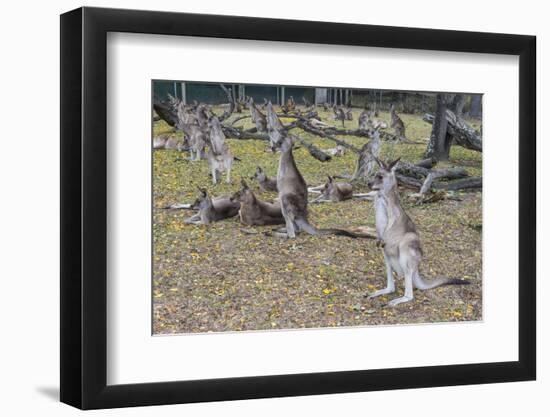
(384,180)
(203,200)
(329,186)
(284,143)
(244,194)
(214,123)
(259,175)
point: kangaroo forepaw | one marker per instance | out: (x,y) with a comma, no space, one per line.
(380,243)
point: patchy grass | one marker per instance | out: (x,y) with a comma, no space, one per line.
(215,278)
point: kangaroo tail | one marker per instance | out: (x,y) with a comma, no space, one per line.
(339,232)
(307,227)
(422,284)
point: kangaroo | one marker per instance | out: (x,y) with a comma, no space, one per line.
(255,212)
(399,238)
(293,195)
(366,164)
(212,210)
(306,102)
(339,114)
(258,117)
(334,191)
(219,156)
(364,120)
(173,102)
(275,128)
(203,116)
(339,150)
(185,115)
(196,138)
(266,183)
(397,124)
(160,141)
(290,104)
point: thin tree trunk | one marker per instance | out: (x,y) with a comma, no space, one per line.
(440,142)
(475,106)
(458,105)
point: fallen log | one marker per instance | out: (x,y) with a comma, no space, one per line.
(313,150)
(315,131)
(236,133)
(461,132)
(427,163)
(456,185)
(463,184)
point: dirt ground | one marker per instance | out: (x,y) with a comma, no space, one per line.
(216,278)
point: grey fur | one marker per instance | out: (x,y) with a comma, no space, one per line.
(399,238)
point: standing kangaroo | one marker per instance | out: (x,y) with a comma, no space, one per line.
(266,183)
(212,210)
(366,165)
(364,120)
(399,238)
(196,137)
(255,212)
(257,116)
(219,157)
(275,128)
(293,195)
(397,124)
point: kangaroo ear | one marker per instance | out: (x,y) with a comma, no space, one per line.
(380,163)
(330,179)
(393,165)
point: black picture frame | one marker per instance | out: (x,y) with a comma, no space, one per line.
(84,207)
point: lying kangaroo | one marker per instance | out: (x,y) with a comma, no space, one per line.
(399,238)
(266,183)
(335,191)
(160,141)
(212,210)
(397,124)
(293,195)
(339,150)
(255,212)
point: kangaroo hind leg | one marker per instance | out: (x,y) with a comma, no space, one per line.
(390,281)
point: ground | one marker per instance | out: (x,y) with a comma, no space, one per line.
(216,278)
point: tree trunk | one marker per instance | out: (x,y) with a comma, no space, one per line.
(475,106)
(460,132)
(440,142)
(458,105)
